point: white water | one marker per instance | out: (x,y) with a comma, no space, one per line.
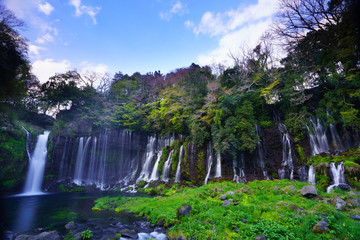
(167,168)
(91,172)
(338,173)
(287,155)
(155,172)
(178,169)
(37,166)
(311,177)
(336,141)
(79,169)
(209,162)
(150,152)
(218,166)
(318,139)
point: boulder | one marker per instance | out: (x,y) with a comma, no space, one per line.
(222,197)
(183,210)
(260,237)
(309,191)
(70,226)
(320,227)
(356,202)
(339,203)
(42,236)
(230,193)
(276,188)
(355,217)
(226,203)
(127,233)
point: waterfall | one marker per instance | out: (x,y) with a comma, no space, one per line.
(101,162)
(260,148)
(338,174)
(167,168)
(311,178)
(27,142)
(317,135)
(37,165)
(150,152)
(218,166)
(178,169)
(209,162)
(92,171)
(303,173)
(79,169)
(155,173)
(286,149)
(336,141)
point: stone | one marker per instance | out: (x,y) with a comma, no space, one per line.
(309,191)
(245,190)
(244,220)
(183,210)
(276,188)
(355,217)
(222,197)
(226,203)
(340,204)
(320,227)
(260,237)
(236,203)
(231,200)
(127,233)
(344,187)
(54,235)
(356,202)
(230,193)
(323,217)
(70,226)
(236,230)
(161,222)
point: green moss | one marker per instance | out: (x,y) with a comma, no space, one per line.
(301,152)
(64,188)
(141,184)
(200,169)
(163,158)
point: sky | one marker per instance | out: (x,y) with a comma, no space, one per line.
(138,35)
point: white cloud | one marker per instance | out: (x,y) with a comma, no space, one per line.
(46,38)
(33,49)
(178,8)
(46,8)
(44,69)
(81,9)
(92,67)
(235,29)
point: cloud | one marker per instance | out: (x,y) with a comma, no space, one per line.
(177,9)
(33,49)
(46,38)
(234,29)
(44,69)
(92,67)
(46,8)
(81,9)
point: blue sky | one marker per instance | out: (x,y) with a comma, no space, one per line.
(138,35)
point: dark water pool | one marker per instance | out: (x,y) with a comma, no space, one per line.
(24,214)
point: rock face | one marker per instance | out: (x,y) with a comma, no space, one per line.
(356,202)
(183,210)
(320,227)
(355,217)
(340,204)
(309,191)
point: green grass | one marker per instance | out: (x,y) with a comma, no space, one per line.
(280,214)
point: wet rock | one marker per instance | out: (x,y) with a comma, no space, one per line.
(320,227)
(222,197)
(161,222)
(127,233)
(260,237)
(70,226)
(276,188)
(42,236)
(356,202)
(355,217)
(344,187)
(183,210)
(226,203)
(339,204)
(309,191)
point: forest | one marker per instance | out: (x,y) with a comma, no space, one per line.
(236,109)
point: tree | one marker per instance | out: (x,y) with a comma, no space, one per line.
(14,65)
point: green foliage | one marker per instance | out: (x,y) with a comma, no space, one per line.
(141,184)
(69,236)
(128,117)
(64,214)
(200,168)
(163,158)
(87,234)
(64,188)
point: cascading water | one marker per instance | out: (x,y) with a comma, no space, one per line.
(209,162)
(336,141)
(317,135)
(79,169)
(287,155)
(338,174)
(311,177)
(218,166)
(91,178)
(260,152)
(155,172)
(37,165)
(150,152)
(167,168)
(178,168)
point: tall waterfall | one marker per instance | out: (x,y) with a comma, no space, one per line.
(311,177)
(209,162)
(178,168)
(79,169)
(338,174)
(317,135)
(37,161)
(155,172)
(218,166)
(336,141)
(91,175)
(287,155)
(167,167)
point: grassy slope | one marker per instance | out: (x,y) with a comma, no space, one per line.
(278,214)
